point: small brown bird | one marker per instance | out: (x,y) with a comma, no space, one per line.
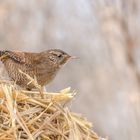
(44,65)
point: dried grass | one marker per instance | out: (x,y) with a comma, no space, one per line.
(26,115)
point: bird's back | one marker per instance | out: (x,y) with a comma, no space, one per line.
(15,61)
(43,66)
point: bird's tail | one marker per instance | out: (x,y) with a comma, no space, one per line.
(3,54)
(16,56)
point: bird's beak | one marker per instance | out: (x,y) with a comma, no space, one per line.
(74,57)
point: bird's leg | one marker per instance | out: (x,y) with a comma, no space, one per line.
(28,89)
(44,89)
(41,90)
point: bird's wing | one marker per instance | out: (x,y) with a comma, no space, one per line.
(14,55)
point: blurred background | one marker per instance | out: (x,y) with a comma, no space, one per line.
(105,35)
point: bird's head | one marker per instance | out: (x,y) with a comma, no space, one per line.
(58,57)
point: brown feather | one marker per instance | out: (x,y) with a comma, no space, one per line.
(44,66)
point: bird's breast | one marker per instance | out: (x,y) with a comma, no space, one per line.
(45,76)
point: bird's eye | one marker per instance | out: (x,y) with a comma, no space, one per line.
(60,55)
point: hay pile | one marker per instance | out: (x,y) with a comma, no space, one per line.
(25,115)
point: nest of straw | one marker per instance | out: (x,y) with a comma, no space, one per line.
(26,115)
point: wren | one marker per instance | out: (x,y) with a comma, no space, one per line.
(44,65)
